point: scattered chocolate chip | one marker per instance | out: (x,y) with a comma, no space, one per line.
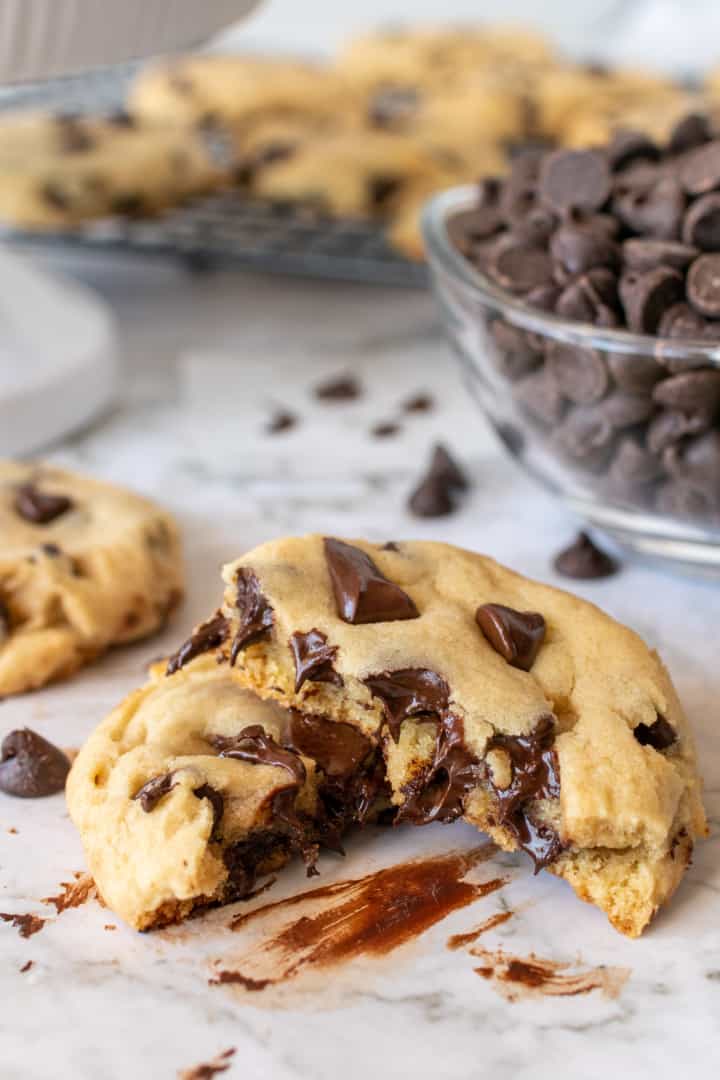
(209,635)
(659,735)
(38,507)
(575,178)
(434,495)
(362,593)
(30,766)
(584,561)
(313,659)
(419,403)
(703,285)
(281,421)
(516,635)
(339,388)
(254,615)
(150,794)
(408,692)
(385,430)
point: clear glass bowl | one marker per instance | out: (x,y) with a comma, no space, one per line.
(590,412)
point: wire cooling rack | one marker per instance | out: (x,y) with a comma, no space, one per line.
(217,230)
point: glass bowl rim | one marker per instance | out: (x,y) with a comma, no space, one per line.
(442,252)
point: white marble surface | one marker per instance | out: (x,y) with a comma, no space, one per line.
(205,360)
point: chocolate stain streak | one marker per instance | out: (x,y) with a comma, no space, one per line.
(74,893)
(207,1069)
(368,916)
(459,941)
(516,977)
(26,925)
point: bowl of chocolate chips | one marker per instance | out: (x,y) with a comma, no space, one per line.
(582,294)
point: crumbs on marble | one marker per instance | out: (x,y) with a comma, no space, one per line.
(13,831)
(26,966)
(74,893)
(109,926)
(25,923)
(206,1070)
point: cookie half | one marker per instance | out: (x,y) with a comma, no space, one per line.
(83,565)
(524,709)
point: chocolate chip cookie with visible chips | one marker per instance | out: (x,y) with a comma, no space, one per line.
(83,565)
(492,697)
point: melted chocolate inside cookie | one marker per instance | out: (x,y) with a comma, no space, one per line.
(254,614)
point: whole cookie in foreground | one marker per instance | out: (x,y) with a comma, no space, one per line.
(83,565)
(193,787)
(520,707)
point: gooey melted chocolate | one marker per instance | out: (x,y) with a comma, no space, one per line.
(313,659)
(254,614)
(210,635)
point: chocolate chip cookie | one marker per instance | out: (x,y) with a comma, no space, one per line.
(193,787)
(519,707)
(58,171)
(83,565)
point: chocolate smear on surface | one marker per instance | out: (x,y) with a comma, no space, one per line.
(515,977)
(26,966)
(362,593)
(409,692)
(461,941)
(386,429)
(209,635)
(534,775)
(38,507)
(584,561)
(369,916)
(26,925)
(419,403)
(208,1069)
(516,635)
(339,388)
(254,615)
(659,735)
(281,421)
(313,659)
(74,893)
(30,766)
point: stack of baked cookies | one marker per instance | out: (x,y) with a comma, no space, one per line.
(338,683)
(393,118)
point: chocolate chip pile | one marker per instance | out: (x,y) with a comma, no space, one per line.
(624,237)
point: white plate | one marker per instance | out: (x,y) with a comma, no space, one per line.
(42,39)
(57,356)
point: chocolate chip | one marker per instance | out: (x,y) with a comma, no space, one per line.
(255,745)
(519,268)
(644,254)
(696,462)
(645,297)
(700,170)
(690,132)
(541,396)
(386,429)
(470,228)
(150,794)
(581,374)
(408,692)
(445,468)
(255,617)
(362,593)
(431,498)
(632,469)
(627,146)
(586,436)
(655,210)
(419,403)
(55,195)
(339,388)
(281,421)
(516,354)
(591,298)
(701,225)
(382,188)
(633,371)
(578,248)
(313,659)
(703,285)
(691,392)
(544,297)
(669,427)
(209,635)
(584,561)
(40,507)
(516,635)
(338,748)
(680,321)
(73,135)
(575,178)
(30,766)
(678,500)
(659,735)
